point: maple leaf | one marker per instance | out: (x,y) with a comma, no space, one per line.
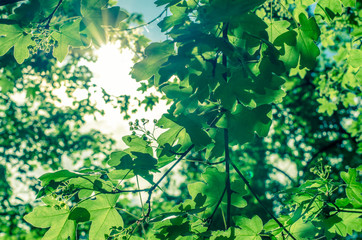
(54,217)
(103,215)
(11,35)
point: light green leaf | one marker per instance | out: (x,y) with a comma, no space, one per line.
(349,177)
(277,28)
(120,157)
(103,215)
(290,58)
(137,144)
(344,223)
(326,106)
(303,230)
(354,188)
(355,58)
(178,17)
(328,9)
(67,36)
(54,217)
(156,55)
(308,50)
(250,228)
(58,176)
(13,35)
(6,85)
(349,3)
(175,135)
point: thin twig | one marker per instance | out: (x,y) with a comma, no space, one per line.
(259,201)
(143,211)
(148,23)
(284,173)
(215,209)
(49,18)
(150,191)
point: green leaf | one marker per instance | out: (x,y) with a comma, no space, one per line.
(6,85)
(289,51)
(309,27)
(96,17)
(103,215)
(213,187)
(113,16)
(175,135)
(178,17)
(308,50)
(121,159)
(326,106)
(68,35)
(79,214)
(54,217)
(277,28)
(328,9)
(58,176)
(355,58)
(250,228)
(304,230)
(241,128)
(137,144)
(349,3)
(192,123)
(354,188)
(14,36)
(228,10)
(344,223)
(156,55)
(143,163)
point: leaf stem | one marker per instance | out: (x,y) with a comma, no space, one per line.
(260,202)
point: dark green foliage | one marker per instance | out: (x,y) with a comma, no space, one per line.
(225,69)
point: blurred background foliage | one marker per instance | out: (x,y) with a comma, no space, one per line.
(319,122)
(38,131)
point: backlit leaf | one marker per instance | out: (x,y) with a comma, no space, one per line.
(103,215)
(56,219)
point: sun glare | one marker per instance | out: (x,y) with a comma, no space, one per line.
(111,70)
(112,73)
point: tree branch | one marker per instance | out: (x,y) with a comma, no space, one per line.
(284,173)
(260,202)
(150,191)
(215,209)
(49,18)
(226,140)
(148,23)
(228,186)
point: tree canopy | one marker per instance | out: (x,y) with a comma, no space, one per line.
(262,138)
